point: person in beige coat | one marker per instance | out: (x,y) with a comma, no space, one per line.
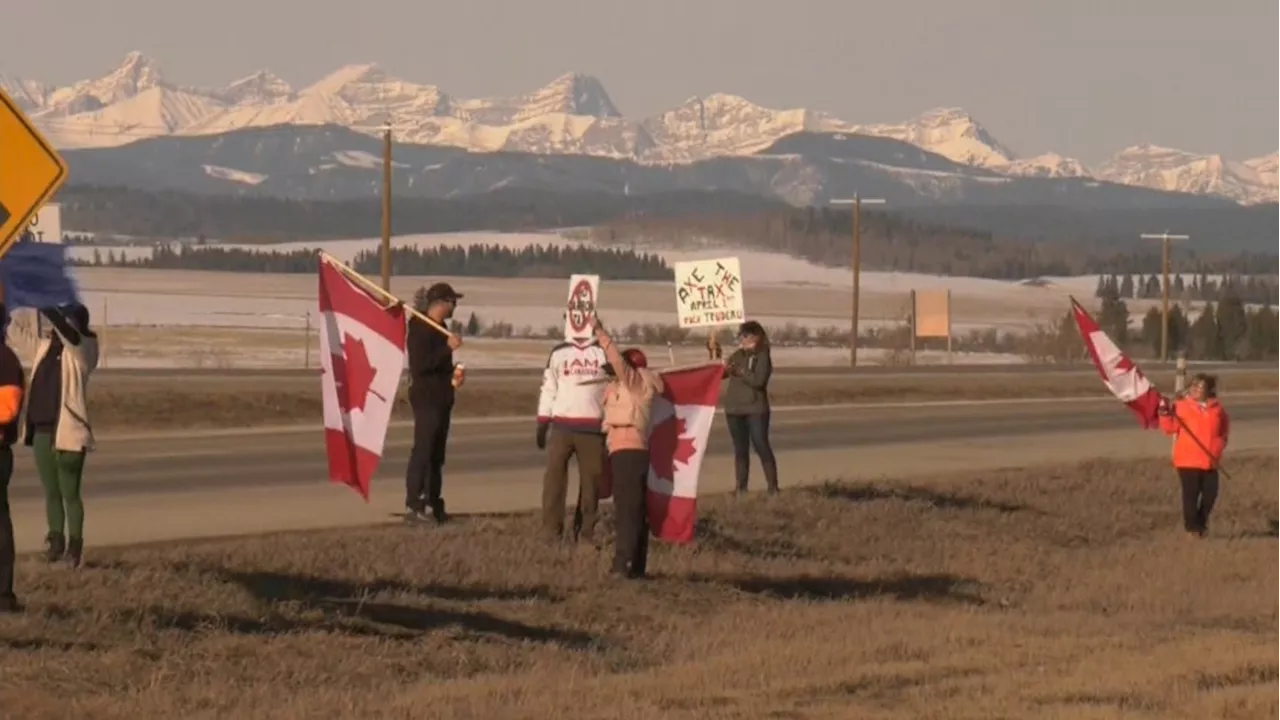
(58,427)
(628,405)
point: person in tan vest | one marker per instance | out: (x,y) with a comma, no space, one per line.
(628,404)
(58,427)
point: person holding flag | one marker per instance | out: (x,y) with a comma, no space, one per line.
(433,381)
(628,404)
(1199,426)
(34,275)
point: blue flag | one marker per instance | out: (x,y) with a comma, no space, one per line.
(34,275)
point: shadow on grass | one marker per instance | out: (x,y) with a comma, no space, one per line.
(343,602)
(904,587)
(1270,532)
(948,501)
(712,536)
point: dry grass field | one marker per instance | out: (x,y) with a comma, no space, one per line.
(1059,592)
(139,403)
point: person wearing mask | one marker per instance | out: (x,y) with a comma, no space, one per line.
(1199,426)
(628,404)
(12,383)
(433,378)
(58,428)
(746,405)
(569,415)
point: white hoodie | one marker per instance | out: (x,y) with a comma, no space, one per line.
(564,401)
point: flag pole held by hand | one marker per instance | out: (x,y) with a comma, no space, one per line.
(374,289)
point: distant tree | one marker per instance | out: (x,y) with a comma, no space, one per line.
(1233,325)
(1204,342)
(473,325)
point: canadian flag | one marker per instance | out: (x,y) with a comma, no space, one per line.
(361,357)
(682,417)
(1118,372)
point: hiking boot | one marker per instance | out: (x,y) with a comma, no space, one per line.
(54,546)
(438,514)
(75,552)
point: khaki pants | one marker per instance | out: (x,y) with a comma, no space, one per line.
(590,451)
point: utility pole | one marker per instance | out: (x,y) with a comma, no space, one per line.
(856,266)
(386,208)
(1164,239)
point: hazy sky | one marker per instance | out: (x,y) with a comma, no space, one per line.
(1083,78)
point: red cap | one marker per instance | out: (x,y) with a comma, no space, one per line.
(635,356)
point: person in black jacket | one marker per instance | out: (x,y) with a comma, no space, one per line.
(431,390)
(12,382)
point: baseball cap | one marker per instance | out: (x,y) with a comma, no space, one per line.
(442,291)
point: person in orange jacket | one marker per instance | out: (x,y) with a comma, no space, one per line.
(1199,426)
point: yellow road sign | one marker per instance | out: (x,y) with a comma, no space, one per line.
(30,171)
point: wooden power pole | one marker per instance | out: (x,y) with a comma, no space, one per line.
(856,267)
(1164,239)
(386,209)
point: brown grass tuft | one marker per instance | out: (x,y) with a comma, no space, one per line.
(1057,592)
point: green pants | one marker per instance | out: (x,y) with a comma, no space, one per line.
(60,473)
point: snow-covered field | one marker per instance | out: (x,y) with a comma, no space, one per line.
(780,290)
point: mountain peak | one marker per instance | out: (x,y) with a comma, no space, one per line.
(951,132)
(135,73)
(348,75)
(573,93)
(262,86)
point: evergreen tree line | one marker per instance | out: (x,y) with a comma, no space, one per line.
(1227,331)
(541,261)
(1251,290)
(471,261)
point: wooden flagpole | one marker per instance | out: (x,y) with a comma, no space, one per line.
(374,289)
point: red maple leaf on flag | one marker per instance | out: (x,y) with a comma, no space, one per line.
(668,445)
(353,375)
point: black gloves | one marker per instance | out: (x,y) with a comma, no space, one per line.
(541,436)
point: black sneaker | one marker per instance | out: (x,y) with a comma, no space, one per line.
(10,604)
(438,514)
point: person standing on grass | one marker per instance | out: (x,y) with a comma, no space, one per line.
(569,416)
(58,427)
(628,405)
(433,379)
(1199,426)
(746,405)
(12,382)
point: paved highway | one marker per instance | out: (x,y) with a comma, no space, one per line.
(283,458)
(817,371)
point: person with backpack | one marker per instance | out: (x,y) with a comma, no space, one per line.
(58,428)
(746,405)
(1199,426)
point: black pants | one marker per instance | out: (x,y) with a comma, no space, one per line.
(6,526)
(748,431)
(630,469)
(1199,492)
(424,481)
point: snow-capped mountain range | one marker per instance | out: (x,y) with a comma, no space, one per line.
(572,115)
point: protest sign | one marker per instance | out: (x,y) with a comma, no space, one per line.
(580,307)
(709,292)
